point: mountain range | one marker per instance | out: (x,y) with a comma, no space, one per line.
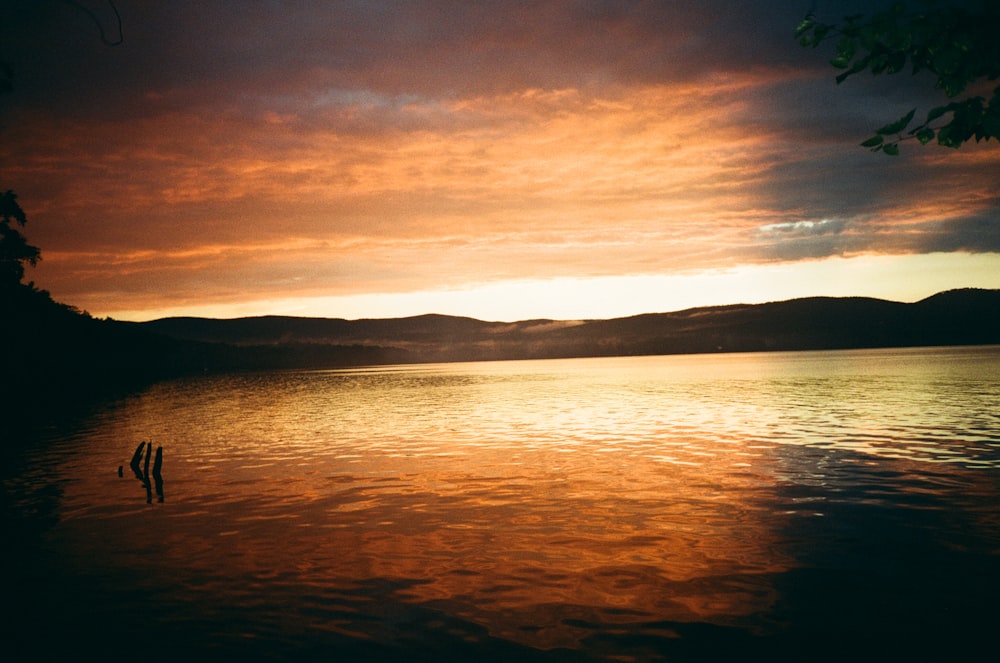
(956,317)
(57,359)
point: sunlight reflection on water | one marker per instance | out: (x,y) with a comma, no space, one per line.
(555,504)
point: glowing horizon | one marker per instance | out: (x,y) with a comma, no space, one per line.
(570,298)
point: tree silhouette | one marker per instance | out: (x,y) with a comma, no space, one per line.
(960,47)
(15,252)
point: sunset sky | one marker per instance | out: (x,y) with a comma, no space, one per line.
(504,160)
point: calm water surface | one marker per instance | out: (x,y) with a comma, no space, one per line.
(780,506)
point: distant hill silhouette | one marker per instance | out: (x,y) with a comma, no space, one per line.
(956,317)
(56,358)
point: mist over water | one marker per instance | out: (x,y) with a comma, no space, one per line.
(782,504)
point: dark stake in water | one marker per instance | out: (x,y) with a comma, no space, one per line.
(786,506)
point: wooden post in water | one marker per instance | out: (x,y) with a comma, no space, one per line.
(157,476)
(136,457)
(145,474)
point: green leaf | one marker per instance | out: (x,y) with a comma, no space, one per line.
(946,60)
(846,48)
(891,149)
(925,135)
(874,141)
(946,138)
(860,65)
(935,113)
(898,125)
(897,61)
(804,27)
(868,36)
(991,125)
(879,64)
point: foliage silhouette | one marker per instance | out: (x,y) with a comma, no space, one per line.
(959,47)
(15,252)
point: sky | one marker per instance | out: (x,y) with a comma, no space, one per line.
(504,160)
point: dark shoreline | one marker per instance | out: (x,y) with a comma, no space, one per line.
(60,362)
(959,317)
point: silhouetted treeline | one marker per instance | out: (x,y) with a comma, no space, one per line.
(957,317)
(53,352)
(54,355)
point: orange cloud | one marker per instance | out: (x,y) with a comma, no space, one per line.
(365,192)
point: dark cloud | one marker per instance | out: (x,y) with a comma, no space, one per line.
(880,231)
(972,234)
(211,53)
(798,240)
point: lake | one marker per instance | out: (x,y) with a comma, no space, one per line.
(768,506)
